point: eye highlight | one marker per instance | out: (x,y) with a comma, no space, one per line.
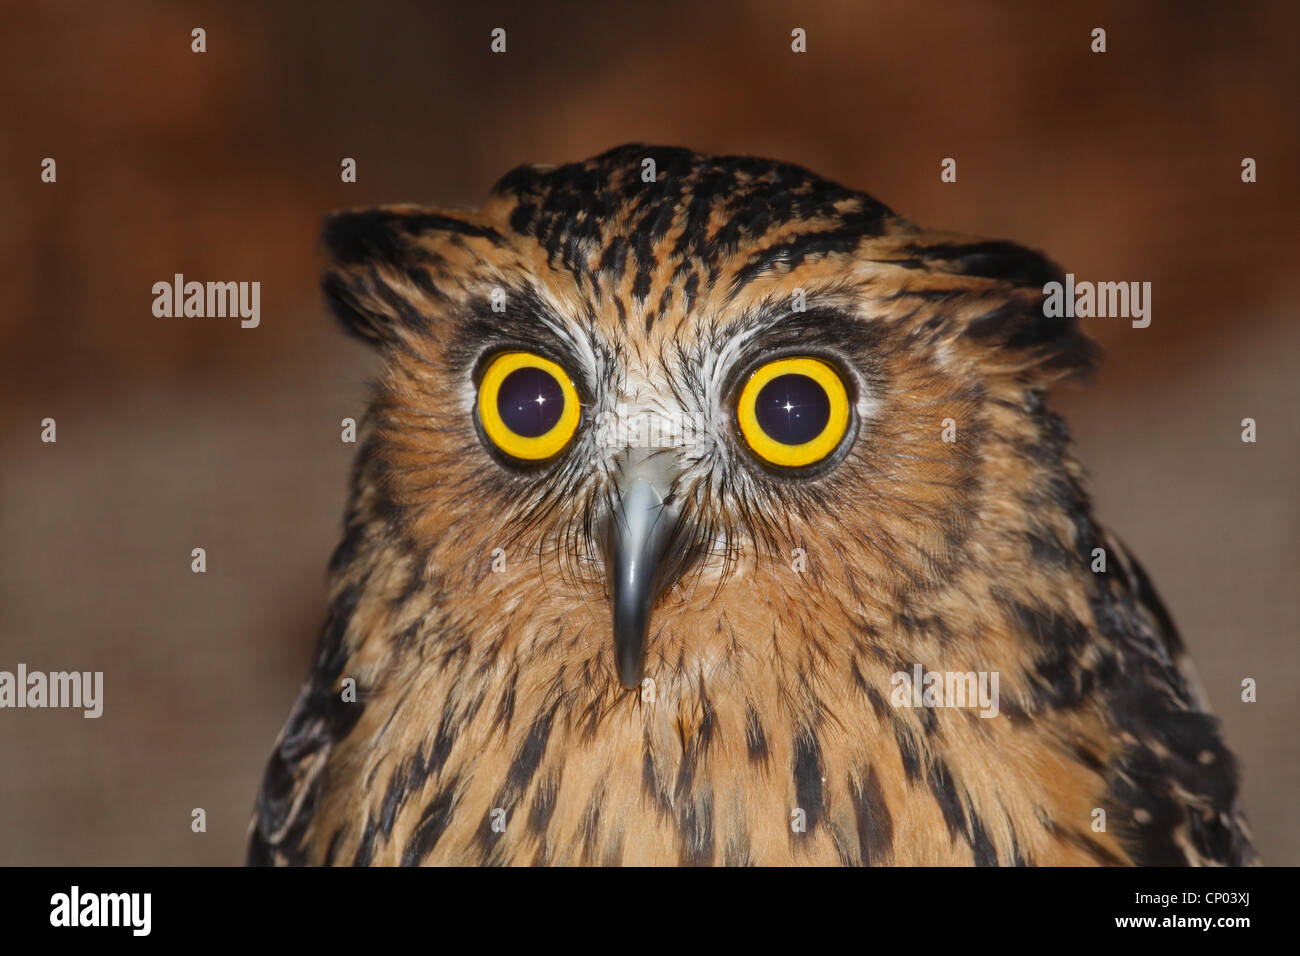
(527,406)
(793,412)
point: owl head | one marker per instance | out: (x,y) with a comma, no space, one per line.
(661,413)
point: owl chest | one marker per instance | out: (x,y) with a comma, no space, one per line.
(726,786)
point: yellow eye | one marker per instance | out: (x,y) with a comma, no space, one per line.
(793,412)
(527,406)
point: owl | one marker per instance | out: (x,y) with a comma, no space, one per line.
(709,512)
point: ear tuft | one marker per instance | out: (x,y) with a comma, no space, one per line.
(375,259)
(1047,348)
(384,260)
(362,235)
(340,296)
(996,259)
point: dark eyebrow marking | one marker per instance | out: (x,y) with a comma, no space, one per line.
(527,324)
(526,320)
(822,327)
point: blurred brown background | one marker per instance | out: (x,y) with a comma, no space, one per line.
(176,433)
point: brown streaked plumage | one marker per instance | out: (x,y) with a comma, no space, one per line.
(491,724)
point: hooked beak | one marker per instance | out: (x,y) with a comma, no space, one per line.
(641,526)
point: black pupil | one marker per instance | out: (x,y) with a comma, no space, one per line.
(792,409)
(530,402)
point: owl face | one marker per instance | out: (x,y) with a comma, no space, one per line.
(659,449)
(638,402)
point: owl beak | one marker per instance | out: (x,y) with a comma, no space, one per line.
(641,526)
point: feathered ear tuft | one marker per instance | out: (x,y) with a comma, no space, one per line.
(353,236)
(369,252)
(384,261)
(1045,348)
